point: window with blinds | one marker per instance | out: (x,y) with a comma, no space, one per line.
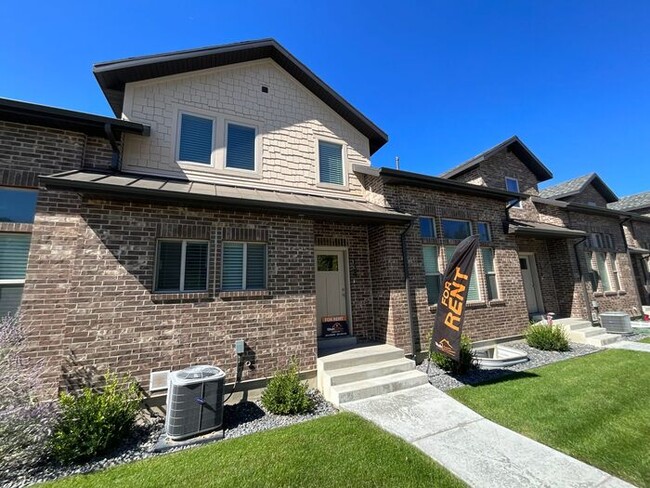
(14,252)
(243,266)
(330,163)
(432,275)
(182,266)
(473,292)
(240,147)
(195,143)
(601,262)
(487,255)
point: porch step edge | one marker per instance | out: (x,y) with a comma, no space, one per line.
(367,388)
(371,370)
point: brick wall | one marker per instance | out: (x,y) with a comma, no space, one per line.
(289,117)
(89,301)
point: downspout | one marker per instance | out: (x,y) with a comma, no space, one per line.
(507,210)
(115,159)
(407,286)
(582,279)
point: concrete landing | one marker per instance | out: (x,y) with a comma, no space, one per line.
(480,452)
(583,332)
(630,346)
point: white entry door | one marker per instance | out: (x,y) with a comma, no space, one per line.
(531,283)
(331,288)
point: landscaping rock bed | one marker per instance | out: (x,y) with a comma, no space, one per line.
(239,419)
(445,381)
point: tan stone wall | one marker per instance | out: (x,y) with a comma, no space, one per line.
(289,118)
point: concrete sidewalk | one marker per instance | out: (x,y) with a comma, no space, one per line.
(630,346)
(480,452)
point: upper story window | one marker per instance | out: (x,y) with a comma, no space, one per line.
(196,139)
(484,232)
(512,184)
(330,163)
(182,266)
(456,229)
(17,205)
(427,227)
(240,147)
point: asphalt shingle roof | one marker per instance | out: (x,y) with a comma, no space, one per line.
(577,185)
(632,202)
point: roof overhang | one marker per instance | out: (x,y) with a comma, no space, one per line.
(405,178)
(639,250)
(542,230)
(183,192)
(514,145)
(591,210)
(596,181)
(58,118)
(114,75)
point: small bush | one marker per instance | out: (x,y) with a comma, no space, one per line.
(94,421)
(466,359)
(285,394)
(547,338)
(25,421)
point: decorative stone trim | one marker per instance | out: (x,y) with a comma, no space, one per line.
(183,231)
(181,297)
(245,294)
(245,234)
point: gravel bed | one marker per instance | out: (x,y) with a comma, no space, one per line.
(240,419)
(445,381)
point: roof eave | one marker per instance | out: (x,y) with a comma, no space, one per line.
(112,76)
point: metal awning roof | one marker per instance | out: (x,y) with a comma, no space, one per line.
(542,230)
(184,192)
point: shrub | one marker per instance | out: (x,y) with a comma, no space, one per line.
(547,338)
(95,420)
(25,422)
(466,359)
(285,394)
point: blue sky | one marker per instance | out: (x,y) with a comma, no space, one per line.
(445,80)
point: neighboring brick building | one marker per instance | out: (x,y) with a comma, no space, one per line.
(234,198)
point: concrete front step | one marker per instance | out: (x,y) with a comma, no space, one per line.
(586,332)
(574,324)
(366,371)
(603,339)
(359,355)
(359,390)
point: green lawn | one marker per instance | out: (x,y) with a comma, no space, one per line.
(646,340)
(338,450)
(595,408)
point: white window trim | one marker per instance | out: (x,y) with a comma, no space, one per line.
(433,226)
(257,148)
(245,265)
(509,178)
(442,228)
(219,139)
(496,275)
(344,164)
(13,282)
(182,277)
(177,128)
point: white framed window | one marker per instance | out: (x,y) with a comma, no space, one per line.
(331,163)
(484,233)
(243,266)
(456,229)
(432,275)
(14,252)
(195,139)
(473,294)
(512,184)
(616,282)
(228,145)
(181,265)
(487,256)
(603,272)
(427,228)
(240,147)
